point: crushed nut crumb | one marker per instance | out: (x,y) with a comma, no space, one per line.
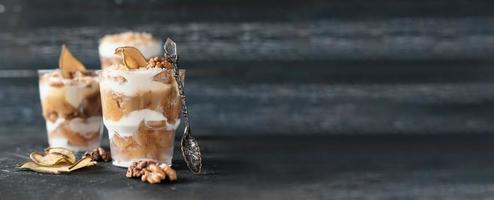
(159,63)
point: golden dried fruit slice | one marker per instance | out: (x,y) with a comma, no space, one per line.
(132,57)
(49,159)
(58,168)
(55,169)
(83,162)
(68,63)
(56,161)
(68,153)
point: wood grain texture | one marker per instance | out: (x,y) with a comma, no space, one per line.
(253,30)
(317,67)
(322,40)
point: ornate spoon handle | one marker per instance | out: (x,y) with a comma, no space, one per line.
(189,145)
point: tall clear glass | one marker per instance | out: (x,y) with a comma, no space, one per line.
(72,109)
(141,110)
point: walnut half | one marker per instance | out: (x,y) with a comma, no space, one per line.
(151,172)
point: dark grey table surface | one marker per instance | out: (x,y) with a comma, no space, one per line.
(278,167)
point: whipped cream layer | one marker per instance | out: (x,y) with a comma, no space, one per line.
(63,142)
(85,127)
(135,80)
(149,48)
(129,124)
(53,126)
(58,142)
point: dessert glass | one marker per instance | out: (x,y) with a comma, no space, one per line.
(141,110)
(145,42)
(72,109)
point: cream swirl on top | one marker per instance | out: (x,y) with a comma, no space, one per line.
(145,42)
(129,83)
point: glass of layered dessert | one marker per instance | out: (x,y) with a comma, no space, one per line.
(71,104)
(145,42)
(141,107)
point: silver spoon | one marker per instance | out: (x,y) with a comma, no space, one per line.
(188,144)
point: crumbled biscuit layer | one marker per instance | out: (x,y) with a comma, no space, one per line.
(147,143)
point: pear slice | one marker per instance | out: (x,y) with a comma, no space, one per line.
(55,169)
(132,57)
(49,159)
(68,63)
(66,152)
(83,162)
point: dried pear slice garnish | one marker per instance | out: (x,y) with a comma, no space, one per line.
(55,169)
(49,159)
(55,162)
(132,57)
(70,155)
(83,162)
(68,63)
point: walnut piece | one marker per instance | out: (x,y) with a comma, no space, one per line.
(99,154)
(159,62)
(153,174)
(136,169)
(151,171)
(170,173)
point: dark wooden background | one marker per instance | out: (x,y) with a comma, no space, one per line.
(280,67)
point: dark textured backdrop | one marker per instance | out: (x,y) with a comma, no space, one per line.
(287,67)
